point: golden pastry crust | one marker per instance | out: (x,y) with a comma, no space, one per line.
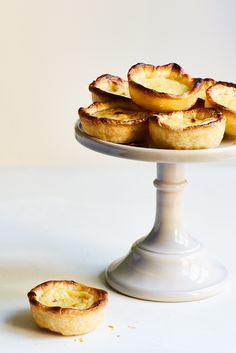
(223,97)
(163,88)
(108,88)
(207,83)
(193,129)
(118,121)
(67,307)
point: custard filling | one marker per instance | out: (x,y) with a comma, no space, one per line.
(182,120)
(166,85)
(119,114)
(67,298)
(227,97)
(112,87)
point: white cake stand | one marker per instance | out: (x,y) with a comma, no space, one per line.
(168,264)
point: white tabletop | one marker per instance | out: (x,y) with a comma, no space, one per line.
(71,223)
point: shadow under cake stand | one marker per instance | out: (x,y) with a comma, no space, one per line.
(168,264)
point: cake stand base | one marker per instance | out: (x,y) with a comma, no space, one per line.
(168,265)
(167,277)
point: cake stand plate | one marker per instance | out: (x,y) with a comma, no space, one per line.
(168,264)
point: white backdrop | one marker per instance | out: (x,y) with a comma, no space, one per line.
(52,49)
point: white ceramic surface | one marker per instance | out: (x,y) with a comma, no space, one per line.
(167,264)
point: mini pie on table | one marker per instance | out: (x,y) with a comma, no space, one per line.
(67,307)
(117,121)
(163,88)
(192,129)
(109,88)
(223,96)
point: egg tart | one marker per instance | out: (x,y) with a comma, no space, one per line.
(163,88)
(223,96)
(109,88)
(118,121)
(192,129)
(67,307)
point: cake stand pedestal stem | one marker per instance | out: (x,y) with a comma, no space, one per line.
(168,234)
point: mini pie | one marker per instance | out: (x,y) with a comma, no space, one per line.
(118,121)
(67,307)
(109,88)
(163,88)
(223,96)
(192,129)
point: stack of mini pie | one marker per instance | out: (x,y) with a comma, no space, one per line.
(161,106)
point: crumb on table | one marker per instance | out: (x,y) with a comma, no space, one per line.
(112,327)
